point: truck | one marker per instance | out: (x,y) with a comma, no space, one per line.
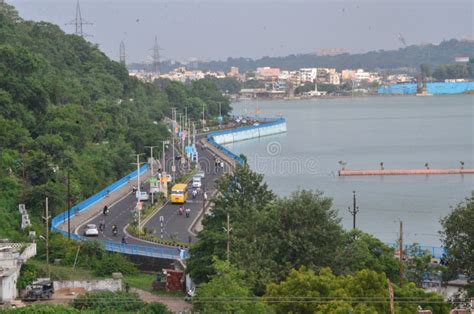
(40,289)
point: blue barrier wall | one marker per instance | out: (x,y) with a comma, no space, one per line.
(267,122)
(151,251)
(437,88)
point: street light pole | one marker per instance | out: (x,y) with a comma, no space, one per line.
(151,157)
(68,204)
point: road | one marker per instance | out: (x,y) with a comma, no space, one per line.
(121,209)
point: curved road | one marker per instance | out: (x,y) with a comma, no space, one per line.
(122,204)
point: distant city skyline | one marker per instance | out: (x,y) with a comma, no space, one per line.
(216,30)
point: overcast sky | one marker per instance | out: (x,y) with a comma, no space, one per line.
(217,29)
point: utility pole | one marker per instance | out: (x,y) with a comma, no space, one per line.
(354,210)
(68,204)
(46,219)
(122,53)
(401,253)
(228,229)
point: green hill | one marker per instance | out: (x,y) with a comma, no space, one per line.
(409,57)
(65,106)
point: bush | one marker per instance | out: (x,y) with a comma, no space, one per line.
(155,308)
(44,309)
(112,263)
(28,274)
(109,302)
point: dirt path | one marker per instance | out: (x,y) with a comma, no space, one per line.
(175,304)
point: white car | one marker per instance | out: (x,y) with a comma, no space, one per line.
(143,196)
(200,174)
(197,182)
(90,230)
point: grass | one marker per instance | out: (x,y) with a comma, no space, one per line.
(59,272)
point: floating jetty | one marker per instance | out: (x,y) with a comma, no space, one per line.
(394,172)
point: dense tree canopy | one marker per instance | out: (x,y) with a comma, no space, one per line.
(64,106)
(458,235)
(305,291)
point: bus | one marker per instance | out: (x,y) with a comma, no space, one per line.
(179,193)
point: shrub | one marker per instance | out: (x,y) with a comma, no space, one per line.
(109,302)
(155,308)
(112,263)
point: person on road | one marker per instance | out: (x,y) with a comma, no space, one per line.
(102,225)
(194,194)
(105,211)
(188,212)
(180,210)
(205,196)
(124,240)
(114,230)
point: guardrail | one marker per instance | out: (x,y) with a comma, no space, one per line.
(268,122)
(159,252)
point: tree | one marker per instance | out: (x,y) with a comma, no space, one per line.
(360,251)
(241,195)
(305,291)
(458,237)
(226,292)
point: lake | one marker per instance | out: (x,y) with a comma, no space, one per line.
(401,132)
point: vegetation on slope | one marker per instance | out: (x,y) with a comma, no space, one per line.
(65,107)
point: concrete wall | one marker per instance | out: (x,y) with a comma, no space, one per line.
(90,285)
(8,290)
(245,134)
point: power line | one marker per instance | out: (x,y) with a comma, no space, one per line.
(79,22)
(122,53)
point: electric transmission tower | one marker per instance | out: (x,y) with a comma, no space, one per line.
(122,53)
(156,57)
(78,22)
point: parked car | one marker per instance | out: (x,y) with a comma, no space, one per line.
(197,182)
(39,290)
(90,230)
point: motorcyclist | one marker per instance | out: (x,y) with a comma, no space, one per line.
(105,211)
(180,210)
(188,212)
(114,230)
(124,240)
(194,194)
(102,225)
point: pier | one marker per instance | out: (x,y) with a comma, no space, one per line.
(385,172)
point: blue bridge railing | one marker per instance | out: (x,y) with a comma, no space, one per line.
(152,251)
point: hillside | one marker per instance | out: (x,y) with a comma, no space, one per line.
(66,107)
(409,57)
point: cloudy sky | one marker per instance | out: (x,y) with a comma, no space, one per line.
(217,29)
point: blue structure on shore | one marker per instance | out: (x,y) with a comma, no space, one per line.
(438,88)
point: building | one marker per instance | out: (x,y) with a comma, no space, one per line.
(267,73)
(233,72)
(10,264)
(308,74)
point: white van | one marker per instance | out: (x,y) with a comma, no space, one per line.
(197,182)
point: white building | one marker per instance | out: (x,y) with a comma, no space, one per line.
(308,74)
(10,264)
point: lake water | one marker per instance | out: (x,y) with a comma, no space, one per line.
(402,132)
